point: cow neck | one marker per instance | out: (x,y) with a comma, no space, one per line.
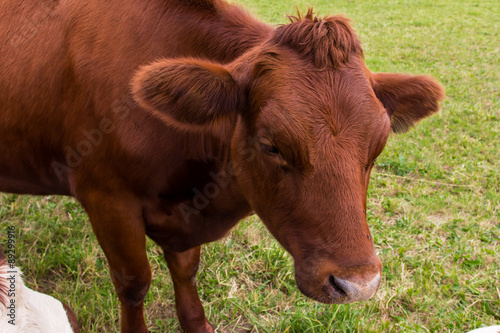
(221,32)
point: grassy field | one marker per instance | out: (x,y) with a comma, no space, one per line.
(434,203)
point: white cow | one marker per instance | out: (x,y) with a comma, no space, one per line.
(25,310)
(489,329)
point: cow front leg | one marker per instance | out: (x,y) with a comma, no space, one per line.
(183,267)
(120,230)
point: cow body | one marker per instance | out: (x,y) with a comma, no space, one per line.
(183,148)
(98,117)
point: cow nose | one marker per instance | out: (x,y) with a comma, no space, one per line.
(353,290)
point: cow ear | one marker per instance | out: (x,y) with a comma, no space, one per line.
(188,93)
(407,98)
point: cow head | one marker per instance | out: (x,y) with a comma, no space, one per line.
(307,121)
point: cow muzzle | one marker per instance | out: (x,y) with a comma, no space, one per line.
(336,286)
(343,291)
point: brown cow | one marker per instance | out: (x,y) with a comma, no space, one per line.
(232,116)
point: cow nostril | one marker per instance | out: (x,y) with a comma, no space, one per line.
(332,282)
(356,290)
(334,290)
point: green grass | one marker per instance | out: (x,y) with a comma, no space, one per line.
(434,203)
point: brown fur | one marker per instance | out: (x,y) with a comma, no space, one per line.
(168,85)
(327,42)
(402,97)
(72,318)
(176,119)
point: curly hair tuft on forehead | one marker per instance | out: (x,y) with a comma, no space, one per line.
(327,42)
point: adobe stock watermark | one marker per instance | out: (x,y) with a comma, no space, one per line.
(121,108)
(221,180)
(30,26)
(92,138)
(121,279)
(10,276)
(202,198)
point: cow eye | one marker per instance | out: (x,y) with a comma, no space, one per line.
(270,149)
